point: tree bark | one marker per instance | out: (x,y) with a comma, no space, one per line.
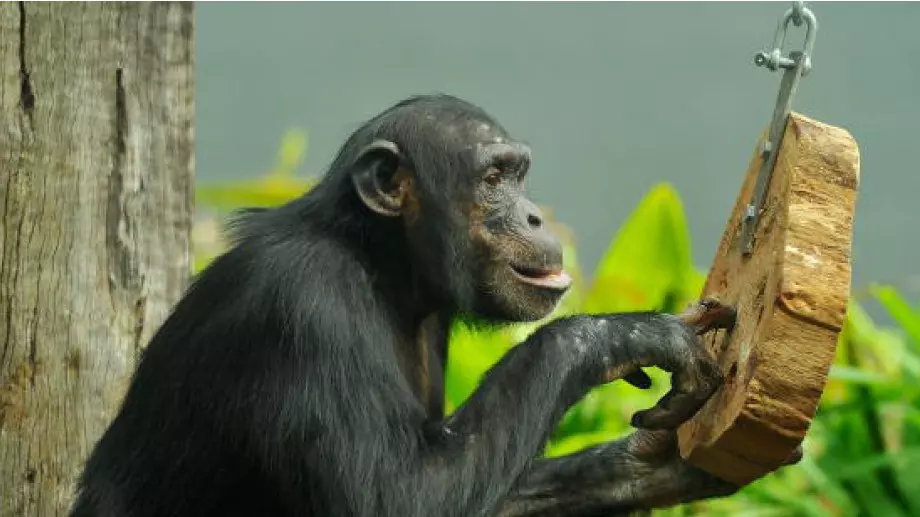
(96,178)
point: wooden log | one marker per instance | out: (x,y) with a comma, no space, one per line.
(791,297)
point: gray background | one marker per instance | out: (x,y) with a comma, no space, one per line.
(614,97)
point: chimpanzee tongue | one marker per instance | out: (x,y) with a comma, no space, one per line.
(555,279)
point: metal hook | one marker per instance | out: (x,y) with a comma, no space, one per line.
(795,66)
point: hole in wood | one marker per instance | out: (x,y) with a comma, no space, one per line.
(731,375)
(758,300)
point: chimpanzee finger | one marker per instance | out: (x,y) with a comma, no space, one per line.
(708,314)
(630,374)
(639,379)
(673,409)
(690,390)
(695,375)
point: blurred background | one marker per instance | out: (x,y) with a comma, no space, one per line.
(643,118)
(613,97)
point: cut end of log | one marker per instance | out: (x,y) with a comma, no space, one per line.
(790,296)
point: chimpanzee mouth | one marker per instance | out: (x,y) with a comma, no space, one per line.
(549,278)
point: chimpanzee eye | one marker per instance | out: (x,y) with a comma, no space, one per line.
(494,177)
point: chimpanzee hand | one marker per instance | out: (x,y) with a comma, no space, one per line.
(696,375)
(657,473)
(640,472)
(643,470)
(630,341)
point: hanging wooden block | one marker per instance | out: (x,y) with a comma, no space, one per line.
(790,295)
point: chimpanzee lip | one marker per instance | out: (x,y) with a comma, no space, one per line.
(555,278)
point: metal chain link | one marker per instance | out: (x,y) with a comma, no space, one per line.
(798,10)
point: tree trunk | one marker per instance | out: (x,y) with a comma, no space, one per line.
(96,177)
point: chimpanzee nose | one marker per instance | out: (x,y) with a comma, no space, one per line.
(535,220)
(528,211)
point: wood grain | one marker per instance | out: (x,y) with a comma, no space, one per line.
(96,177)
(791,295)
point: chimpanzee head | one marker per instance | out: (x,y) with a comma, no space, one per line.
(454,179)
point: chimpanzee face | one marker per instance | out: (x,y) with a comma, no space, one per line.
(473,233)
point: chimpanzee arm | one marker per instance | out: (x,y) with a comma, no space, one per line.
(553,370)
(379,459)
(640,472)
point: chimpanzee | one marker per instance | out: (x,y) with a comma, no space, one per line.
(302,372)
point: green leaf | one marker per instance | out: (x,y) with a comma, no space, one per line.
(649,261)
(267,191)
(470,355)
(867,465)
(823,483)
(291,152)
(900,310)
(277,187)
(856,376)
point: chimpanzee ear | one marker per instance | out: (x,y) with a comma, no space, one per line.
(374,176)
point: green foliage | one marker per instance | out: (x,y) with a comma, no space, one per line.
(276,187)
(862,455)
(649,264)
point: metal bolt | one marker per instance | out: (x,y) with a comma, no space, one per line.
(750,212)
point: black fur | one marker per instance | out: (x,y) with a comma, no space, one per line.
(287,381)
